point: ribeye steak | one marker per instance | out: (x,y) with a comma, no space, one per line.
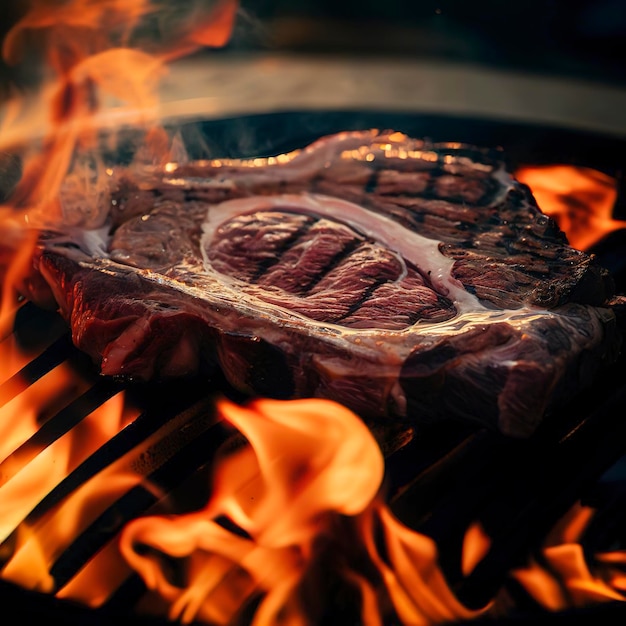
(398,277)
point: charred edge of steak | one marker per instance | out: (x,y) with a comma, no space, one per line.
(512,382)
(256,366)
(133,334)
(145,334)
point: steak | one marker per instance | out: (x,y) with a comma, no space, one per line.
(401,278)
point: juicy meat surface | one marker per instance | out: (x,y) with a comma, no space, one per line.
(400,278)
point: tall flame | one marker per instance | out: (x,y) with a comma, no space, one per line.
(93,61)
(100,63)
(300,504)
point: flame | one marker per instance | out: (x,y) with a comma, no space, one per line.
(302,503)
(614,566)
(94,65)
(417,587)
(100,63)
(475,545)
(15,259)
(298,506)
(97,66)
(29,473)
(22,416)
(580,199)
(564,577)
(566,581)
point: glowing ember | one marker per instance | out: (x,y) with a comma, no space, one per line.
(580,199)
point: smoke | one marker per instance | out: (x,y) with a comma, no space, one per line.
(99,65)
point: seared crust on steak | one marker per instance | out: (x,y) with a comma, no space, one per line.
(399,278)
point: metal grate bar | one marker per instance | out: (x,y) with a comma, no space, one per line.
(196,454)
(126,597)
(57,352)
(57,426)
(146,424)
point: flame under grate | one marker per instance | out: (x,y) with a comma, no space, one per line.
(437,483)
(173,435)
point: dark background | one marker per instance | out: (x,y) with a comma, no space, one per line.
(584,38)
(580,38)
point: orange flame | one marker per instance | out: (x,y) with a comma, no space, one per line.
(613,566)
(580,199)
(306,459)
(98,60)
(417,587)
(476,544)
(102,62)
(565,578)
(311,473)
(89,47)
(305,493)
(28,473)
(13,269)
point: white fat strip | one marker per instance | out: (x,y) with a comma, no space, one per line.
(292,165)
(419,250)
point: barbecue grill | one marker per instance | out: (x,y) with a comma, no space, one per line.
(437,480)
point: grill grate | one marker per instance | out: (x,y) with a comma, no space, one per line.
(437,483)
(174,435)
(438,479)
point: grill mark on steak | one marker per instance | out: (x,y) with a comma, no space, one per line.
(385,303)
(333,269)
(356,278)
(246,247)
(372,183)
(305,263)
(393,182)
(436,183)
(465,190)
(268,266)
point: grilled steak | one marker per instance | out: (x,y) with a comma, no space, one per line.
(397,277)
